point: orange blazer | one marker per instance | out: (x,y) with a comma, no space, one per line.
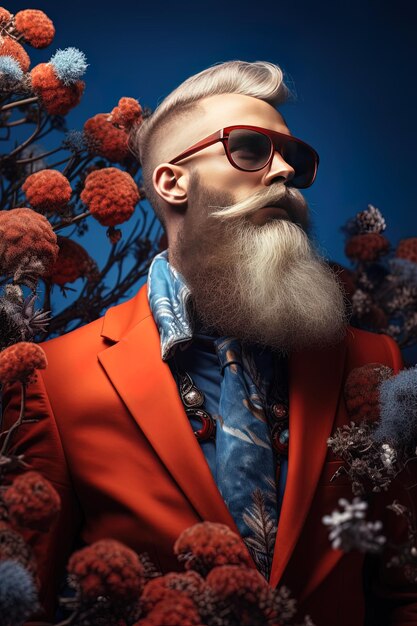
(113,438)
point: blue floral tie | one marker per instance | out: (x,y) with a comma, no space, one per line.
(244,456)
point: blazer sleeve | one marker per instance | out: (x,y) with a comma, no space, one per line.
(391,597)
(41,446)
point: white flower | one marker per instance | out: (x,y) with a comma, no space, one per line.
(388,455)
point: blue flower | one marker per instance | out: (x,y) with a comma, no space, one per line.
(398,404)
(69,65)
(18,598)
(10,68)
(75,141)
(405,271)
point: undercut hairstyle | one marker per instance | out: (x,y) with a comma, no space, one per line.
(259,79)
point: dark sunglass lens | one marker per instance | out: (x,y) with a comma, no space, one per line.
(302,159)
(249,149)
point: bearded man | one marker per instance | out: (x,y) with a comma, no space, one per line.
(211,394)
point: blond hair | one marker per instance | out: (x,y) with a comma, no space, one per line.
(259,79)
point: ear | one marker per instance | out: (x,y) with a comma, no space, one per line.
(171,183)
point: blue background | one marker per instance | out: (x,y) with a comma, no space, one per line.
(352,64)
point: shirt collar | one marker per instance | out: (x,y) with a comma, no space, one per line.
(169,299)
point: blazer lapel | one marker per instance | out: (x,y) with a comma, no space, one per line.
(314,386)
(149,391)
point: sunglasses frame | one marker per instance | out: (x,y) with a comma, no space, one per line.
(223,136)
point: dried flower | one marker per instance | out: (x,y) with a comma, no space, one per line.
(18,597)
(404,271)
(56,97)
(32,501)
(75,141)
(111,142)
(19,320)
(362,390)
(407,249)
(403,297)
(69,65)
(10,72)
(36,27)
(388,455)
(19,361)
(73,262)
(361,303)
(5,16)
(165,587)
(150,571)
(106,568)
(111,195)
(10,47)
(174,611)
(244,595)
(127,113)
(370,220)
(47,190)
(350,531)
(208,544)
(398,399)
(366,247)
(13,546)
(364,464)
(27,244)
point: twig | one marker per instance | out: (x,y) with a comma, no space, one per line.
(74,220)
(17,103)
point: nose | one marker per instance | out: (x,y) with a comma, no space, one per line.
(278,169)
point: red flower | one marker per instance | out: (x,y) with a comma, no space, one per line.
(73,262)
(106,568)
(13,546)
(5,15)
(367,247)
(127,113)
(207,545)
(56,97)
(362,391)
(111,195)
(36,27)
(19,361)
(166,587)
(177,610)
(407,249)
(10,47)
(245,592)
(32,501)
(110,142)
(27,243)
(47,190)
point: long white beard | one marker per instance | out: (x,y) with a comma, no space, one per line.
(289,297)
(262,284)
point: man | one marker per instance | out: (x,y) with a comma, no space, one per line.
(177,406)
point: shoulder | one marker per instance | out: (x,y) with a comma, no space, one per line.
(367,347)
(102,332)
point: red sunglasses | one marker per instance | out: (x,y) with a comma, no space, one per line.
(251,148)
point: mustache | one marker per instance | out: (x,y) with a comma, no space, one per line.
(287,198)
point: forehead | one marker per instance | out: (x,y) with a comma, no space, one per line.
(231,108)
(223,110)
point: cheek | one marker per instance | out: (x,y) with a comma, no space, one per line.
(226,179)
